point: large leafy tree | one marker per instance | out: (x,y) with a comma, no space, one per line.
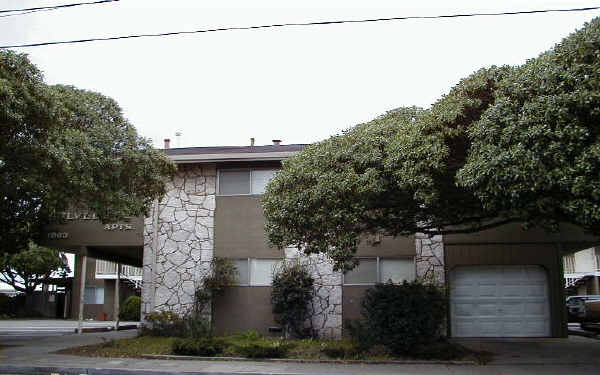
(64,148)
(28,269)
(505,144)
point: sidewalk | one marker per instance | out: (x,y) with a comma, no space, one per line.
(35,357)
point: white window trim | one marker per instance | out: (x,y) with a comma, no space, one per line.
(240,170)
(379,270)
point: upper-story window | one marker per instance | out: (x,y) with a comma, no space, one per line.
(241,182)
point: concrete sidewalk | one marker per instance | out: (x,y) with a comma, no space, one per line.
(35,357)
(54,325)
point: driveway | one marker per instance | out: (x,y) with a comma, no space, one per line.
(539,351)
(18,329)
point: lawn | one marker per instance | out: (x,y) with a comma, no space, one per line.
(251,345)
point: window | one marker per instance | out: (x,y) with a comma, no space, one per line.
(93,296)
(255,272)
(242,182)
(373,270)
(597,259)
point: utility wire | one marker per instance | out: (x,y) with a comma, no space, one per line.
(281,25)
(23,13)
(56,6)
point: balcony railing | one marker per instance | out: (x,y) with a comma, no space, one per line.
(108,270)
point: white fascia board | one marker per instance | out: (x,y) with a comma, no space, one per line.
(243,156)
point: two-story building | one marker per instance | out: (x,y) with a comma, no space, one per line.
(504,282)
(582,272)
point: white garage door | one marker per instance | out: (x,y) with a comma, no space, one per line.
(499,301)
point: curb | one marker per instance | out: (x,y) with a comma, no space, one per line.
(313,361)
(590,335)
(107,329)
(49,370)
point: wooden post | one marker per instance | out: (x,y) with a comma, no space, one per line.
(81,294)
(117,297)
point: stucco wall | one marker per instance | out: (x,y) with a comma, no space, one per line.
(585,260)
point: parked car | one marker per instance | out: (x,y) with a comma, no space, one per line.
(590,316)
(576,307)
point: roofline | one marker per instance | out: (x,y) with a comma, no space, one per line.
(241,156)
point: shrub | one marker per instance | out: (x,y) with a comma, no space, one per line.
(402,317)
(250,335)
(197,326)
(359,332)
(222,274)
(341,349)
(264,349)
(206,347)
(290,297)
(5,305)
(131,309)
(164,324)
(170,324)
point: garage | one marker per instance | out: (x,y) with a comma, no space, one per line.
(499,301)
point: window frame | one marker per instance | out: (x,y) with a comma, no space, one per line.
(378,268)
(250,170)
(249,260)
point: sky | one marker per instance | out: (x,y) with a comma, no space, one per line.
(297,84)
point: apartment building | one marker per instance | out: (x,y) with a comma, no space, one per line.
(582,272)
(100,286)
(503,282)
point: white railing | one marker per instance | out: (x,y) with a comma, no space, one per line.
(570,281)
(106,269)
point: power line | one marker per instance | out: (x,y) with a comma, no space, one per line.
(23,13)
(56,6)
(281,25)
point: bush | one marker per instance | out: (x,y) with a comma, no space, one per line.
(131,309)
(266,349)
(5,305)
(170,324)
(223,273)
(206,347)
(341,350)
(291,295)
(404,318)
(250,335)
(164,324)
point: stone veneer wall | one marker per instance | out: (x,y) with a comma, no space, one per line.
(430,258)
(326,304)
(185,240)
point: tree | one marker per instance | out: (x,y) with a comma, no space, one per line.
(63,148)
(506,144)
(28,269)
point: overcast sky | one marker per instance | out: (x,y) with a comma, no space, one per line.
(298,84)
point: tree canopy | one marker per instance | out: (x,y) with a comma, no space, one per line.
(64,148)
(25,270)
(506,144)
